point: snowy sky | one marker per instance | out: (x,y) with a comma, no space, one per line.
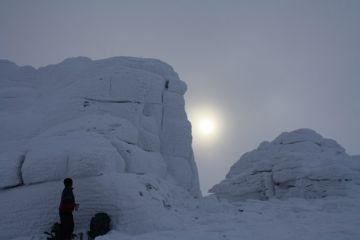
(262,67)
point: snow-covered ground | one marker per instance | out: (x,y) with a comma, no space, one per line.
(332,218)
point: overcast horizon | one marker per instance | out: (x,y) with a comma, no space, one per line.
(262,67)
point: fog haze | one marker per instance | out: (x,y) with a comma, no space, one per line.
(263,66)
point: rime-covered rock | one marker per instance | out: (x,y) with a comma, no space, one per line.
(296,164)
(115,121)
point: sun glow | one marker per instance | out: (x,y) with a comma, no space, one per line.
(206,125)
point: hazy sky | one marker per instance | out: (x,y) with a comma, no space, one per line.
(263,67)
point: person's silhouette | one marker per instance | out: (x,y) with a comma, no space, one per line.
(67,206)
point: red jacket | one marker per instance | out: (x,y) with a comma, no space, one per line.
(67,203)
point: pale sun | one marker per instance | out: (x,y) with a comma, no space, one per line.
(206,126)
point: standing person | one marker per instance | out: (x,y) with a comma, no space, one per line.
(66,208)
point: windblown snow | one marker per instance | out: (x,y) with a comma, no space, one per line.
(118,127)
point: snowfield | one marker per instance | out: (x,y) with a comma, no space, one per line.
(332,218)
(118,127)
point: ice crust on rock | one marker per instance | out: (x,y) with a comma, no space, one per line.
(107,123)
(296,164)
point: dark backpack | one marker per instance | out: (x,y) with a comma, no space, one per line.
(100,225)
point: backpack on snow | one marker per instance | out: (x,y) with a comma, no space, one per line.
(100,225)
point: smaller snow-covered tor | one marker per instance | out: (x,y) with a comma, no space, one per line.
(296,164)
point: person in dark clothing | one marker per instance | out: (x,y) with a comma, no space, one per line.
(66,208)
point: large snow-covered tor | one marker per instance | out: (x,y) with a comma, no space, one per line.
(112,120)
(296,164)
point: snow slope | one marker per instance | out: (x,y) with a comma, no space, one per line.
(331,218)
(114,125)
